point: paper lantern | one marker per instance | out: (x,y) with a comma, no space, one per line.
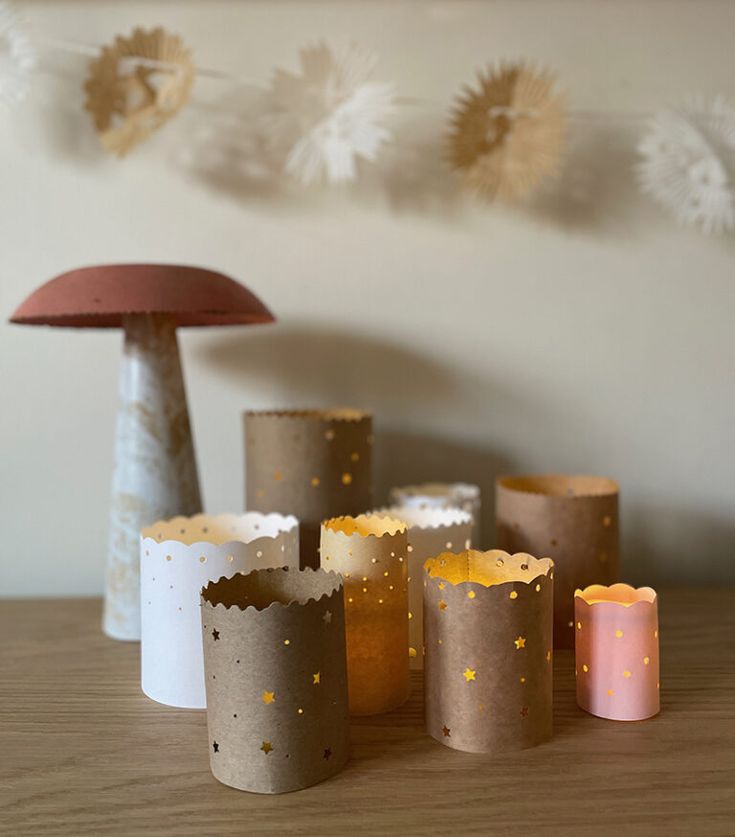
(572,519)
(617,658)
(315,464)
(370,552)
(177,558)
(430,495)
(488,666)
(155,469)
(275,668)
(430,531)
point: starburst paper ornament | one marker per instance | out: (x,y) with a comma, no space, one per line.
(329,114)
(685,157)
(136,85)
(18,57)
(507,135)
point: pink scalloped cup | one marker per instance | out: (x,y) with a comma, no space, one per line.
(617,651)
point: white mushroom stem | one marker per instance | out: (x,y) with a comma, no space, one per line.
(155,475)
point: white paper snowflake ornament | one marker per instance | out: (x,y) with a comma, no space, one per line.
(688,162)
(327,116)
(17,57)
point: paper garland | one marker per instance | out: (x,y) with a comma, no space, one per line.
(688,163)
(329,115)
(136,85)
(19,57)
(274,655)
(507,135)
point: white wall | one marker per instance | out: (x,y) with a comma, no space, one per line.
(585,333)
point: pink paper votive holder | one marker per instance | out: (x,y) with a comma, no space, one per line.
(617,657)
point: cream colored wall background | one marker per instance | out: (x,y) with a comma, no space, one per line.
(585,333)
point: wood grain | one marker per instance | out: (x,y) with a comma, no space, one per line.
(83,752)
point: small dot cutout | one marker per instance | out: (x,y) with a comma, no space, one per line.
(618,633)
(346,478)
(513,595)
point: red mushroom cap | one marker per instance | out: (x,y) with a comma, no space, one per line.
(100,296)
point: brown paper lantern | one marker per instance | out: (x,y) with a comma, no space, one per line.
(572,519)
(314,464)
(276,678)
(370,552)
(488,663)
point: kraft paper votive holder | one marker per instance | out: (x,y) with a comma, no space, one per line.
(315,464)
(617,651)
(573,520)
(430,531)
(429,495)
(488,634)
(276,674)
(370,552)
(177,558)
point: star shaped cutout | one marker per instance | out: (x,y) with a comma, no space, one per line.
(266,747)
(442,605)
(520,642)
(328,753)
(469,674)
(215,634)
(327,617)
(317,678)
(524,712)
(269,697)
(215,746)
(446,731)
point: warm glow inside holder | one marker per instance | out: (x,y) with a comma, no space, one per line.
(276,675)
(177,558)
(370,552)
(617,651)
(488,619)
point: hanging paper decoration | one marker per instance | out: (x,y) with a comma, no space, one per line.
(327,116)
(507,135)
(136,85)
(684,163)
(18,54)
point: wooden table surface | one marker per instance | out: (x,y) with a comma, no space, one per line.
(83,751)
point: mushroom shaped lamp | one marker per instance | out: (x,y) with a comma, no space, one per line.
(155,475)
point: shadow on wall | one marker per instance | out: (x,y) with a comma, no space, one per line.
(676,545)
(319,365)
(404,458)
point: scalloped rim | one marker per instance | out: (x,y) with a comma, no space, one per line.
(537,567)
(590,590)
(286,523)
(334,577)
(340,414)
(467,490)
(399,526)
(614,490)
(453,516)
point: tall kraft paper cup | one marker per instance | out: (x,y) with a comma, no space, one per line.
(573,520)
(276,673)
(314,464)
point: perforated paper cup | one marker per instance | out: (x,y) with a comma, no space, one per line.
(178,557)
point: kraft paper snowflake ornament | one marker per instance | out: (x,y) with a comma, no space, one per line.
(17,54)
(687,161)
(507,135)
(136,85)
(329,115)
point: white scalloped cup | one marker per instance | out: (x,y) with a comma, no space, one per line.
(443,495)
(177,558)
